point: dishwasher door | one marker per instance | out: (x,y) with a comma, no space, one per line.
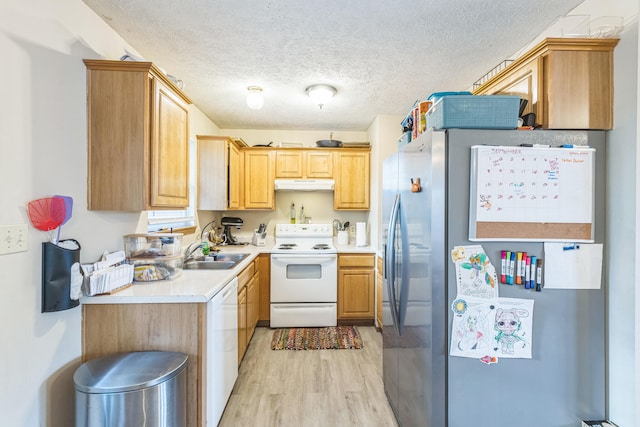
(222,350)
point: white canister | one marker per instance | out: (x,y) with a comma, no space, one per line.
(343,237)
(361,234)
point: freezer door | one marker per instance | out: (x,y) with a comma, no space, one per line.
(390,229)
(421,342)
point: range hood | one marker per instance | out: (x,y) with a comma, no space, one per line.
(304,184)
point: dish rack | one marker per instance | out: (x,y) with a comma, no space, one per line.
(110,274)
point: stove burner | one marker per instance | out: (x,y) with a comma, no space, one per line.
(320,246)
(287,246)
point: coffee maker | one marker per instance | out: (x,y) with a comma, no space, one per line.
(228,222)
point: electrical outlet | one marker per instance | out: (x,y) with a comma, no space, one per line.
(352,229)
(13,238)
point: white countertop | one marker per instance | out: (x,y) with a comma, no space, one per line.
(352,248)
(194,286)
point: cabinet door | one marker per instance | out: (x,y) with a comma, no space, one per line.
(169,150)
(355,294)
(242,323)
(578,89)
(319,164)
(253,290)
(234,177)
(258,179)
(289,164)
(212,158)
(379,290)
(263,265)
(352,181)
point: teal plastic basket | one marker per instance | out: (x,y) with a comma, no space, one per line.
(474,112)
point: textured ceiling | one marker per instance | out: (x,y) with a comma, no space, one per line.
(381,55)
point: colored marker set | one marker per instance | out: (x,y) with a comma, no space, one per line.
(521,269)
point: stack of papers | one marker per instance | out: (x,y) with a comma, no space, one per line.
(107,275)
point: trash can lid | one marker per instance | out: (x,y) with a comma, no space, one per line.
(128,371)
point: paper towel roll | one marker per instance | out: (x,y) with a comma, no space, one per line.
(361,234)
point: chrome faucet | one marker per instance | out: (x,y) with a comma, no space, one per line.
(204,229)
(188,253)
(193,247)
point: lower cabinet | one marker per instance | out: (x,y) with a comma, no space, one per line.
(253,292)
(379,291)
(248,306)
(263,265)
(182,327)
(242,323)
(356,287)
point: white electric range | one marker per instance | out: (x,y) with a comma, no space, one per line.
(304,276)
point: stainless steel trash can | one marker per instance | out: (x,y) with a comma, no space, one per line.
(147,388)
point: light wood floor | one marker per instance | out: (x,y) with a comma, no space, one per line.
(310,387)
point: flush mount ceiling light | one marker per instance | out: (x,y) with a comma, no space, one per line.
(321,94)
(255,101)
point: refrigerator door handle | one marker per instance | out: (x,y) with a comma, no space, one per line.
(404,275)
(390,262)
(384,257)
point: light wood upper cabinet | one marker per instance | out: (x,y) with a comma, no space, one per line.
(258,178)
(289,163)
(356,286)
(296,163)
(568,83)
(352,176)
(138,138)
(234,176)
(319,164)
(219,173)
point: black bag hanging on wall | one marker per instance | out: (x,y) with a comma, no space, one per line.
(56,276)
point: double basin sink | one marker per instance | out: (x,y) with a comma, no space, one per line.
(217,261)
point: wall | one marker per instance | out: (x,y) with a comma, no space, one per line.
(621,250)
(383,133)
(43,152)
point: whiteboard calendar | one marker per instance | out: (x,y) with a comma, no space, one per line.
(531,193)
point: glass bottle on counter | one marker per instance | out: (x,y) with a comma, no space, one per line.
(293,213)
(302,219)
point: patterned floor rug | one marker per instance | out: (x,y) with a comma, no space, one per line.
(334,337)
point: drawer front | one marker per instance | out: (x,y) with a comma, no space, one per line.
(352,260)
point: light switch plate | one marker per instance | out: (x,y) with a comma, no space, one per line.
(13,238)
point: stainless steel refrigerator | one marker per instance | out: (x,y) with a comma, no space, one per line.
(562,383)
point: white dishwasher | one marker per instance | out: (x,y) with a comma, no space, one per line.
(222,350)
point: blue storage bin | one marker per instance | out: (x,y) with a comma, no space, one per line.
(474,112)
(435,97)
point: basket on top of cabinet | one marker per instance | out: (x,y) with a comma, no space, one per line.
(474,112)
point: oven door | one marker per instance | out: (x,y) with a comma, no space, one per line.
(304,278)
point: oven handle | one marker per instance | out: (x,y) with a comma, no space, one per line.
(303,259)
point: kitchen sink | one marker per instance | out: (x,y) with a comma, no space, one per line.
(218,261)
(222,256)
(208,265)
